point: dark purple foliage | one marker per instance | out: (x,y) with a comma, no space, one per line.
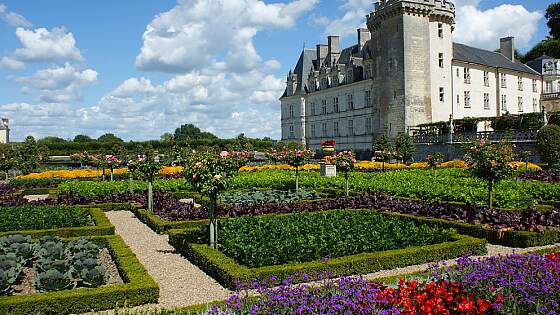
(549,176)
(531,220)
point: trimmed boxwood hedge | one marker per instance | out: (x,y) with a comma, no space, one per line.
(512,238)
(225,270)
(139,288)
(162,226)
(102,227)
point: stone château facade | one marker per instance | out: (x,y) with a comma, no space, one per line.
(4,130)
(404,71)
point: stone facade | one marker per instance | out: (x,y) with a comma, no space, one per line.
(4,130)
(549,68)
(403,71)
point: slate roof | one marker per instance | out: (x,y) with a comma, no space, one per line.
(346,53)
(488,58)
(303,67)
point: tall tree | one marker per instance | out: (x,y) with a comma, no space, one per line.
(110,138)
(7,158)
(82,139)
(28,156)
(553,17)
(404,147)
(191,132)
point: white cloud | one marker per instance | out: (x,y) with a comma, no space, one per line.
(196,34)
(474,26)
(16,20)
(46,45)
(58,84)
(13,19)
(352,18)
(11,64)
(484,28)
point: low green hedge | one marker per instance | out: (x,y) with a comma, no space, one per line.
(102,227)
(225,270)
(162,226)
(513,238)
(139,288)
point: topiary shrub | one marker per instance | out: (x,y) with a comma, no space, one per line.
(548,144)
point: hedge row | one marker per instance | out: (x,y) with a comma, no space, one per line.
(139,288)
(510,238)
(162,226)
(225,270)
(102,227)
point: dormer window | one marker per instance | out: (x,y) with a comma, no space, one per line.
(349,78)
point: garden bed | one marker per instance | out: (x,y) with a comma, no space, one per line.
(297,250)
(60,221)
(137,288)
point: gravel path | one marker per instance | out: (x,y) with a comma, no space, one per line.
(181,283)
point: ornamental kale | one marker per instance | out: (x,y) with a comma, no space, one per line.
(53,280)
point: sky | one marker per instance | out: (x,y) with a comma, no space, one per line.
(140,68)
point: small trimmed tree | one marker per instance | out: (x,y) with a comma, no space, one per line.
(344,162)
(297,158)
(490,162)
(382,150)
(548,144)
(210,174)
(404,146)
(146,168)
(28,157)
(434,160)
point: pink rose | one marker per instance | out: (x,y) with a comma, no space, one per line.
(217,177)
(224,154)
(482,142)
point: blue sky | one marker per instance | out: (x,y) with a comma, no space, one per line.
(141,68)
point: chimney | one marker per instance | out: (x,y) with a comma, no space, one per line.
(334,49)
(507,47)
(322,51)
(363,36)
(376,6)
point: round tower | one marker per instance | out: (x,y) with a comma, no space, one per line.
(412,47)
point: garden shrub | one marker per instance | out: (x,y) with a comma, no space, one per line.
(548,144)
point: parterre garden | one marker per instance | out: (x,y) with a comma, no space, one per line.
(273,229)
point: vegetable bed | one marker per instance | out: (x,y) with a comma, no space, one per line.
(302,237)
(40,217)
(79,288)
(56,266)
(336,242)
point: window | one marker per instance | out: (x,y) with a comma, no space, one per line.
(519,83)
(291,110)
(324,130)
(548,87)
(535,105)
(368,125)
(440,60)
(486,101)
(503,80)
(292,136)
(440,30)
(504,103)
(350,99)
(335,105)
(350,128)
(486,78)
(467,99)
(367,99)
(367,72)
(324,106)
(441,94)
(467,75)
(313,133)
(349,78)
(458,100)
(520,104)
(535,89)
(458,73)
(336,131)
(312,108)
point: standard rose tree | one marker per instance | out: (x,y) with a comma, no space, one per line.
(491,162)
(344,162)
(145,167)
(296,159)
(210,173)
(434,160)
